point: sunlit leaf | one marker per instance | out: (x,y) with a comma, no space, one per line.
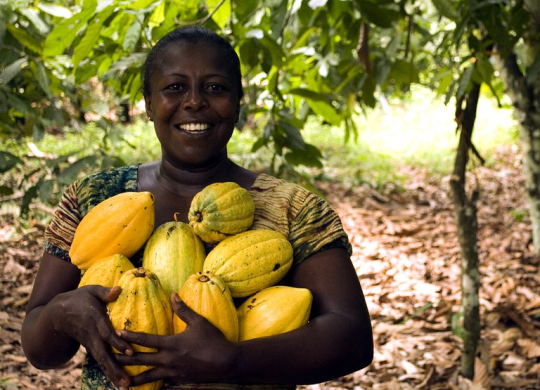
(65,32)
(12,70)
(86,45)
(54,9)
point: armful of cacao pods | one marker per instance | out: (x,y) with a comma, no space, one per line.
(336,341)
(60,317)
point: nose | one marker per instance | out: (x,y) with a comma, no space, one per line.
(195,100)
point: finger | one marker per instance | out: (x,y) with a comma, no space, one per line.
(104,294)
(138,359)
(142,339)
(110,367)
(182,310)
(152,375)
(111,336)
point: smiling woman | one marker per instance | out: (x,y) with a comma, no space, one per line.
(192,90)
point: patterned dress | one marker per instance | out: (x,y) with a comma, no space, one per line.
(306,220)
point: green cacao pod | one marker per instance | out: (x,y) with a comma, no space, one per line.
(250,261)
(221,210)
(174,252)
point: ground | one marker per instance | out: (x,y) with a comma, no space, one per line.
(408,261)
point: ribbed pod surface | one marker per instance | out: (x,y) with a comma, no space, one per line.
(274,310)
(173,253)
(207,295)
(118,225)
(142,306)
(250,261)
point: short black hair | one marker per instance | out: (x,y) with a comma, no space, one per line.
(192,35)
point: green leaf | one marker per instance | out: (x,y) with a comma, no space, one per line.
(54,9)
(133,34)
(310,157)
(446,8)
(71,173)
(308,94)
(293,135)
(30,194)
(158,16)
(25,39)
(12,70)
(85,46)
(42,78)
(277,53)
(9,161)
(65,32)
(222,15)
(326,111)
(464,82)
(143,4)
(379,15)
(242,8)
(5,190)
(36,20)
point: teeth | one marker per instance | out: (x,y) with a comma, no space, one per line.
(194,126)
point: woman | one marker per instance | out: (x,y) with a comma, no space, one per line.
(192,89)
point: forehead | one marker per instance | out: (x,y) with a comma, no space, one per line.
(201,56)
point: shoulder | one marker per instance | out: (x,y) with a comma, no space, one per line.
(104,184)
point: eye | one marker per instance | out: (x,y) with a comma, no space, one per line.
(175,87)
(214,87)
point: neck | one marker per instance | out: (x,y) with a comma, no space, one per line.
(189,181)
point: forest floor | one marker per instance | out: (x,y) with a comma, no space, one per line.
(408,261)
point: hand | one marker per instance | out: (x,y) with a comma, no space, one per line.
(201,353)
(81,314)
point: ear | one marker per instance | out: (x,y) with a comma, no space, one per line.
(148,106)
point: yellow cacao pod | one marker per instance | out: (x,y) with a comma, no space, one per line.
(207,295)
(273,310)
(107,272)
(142,306)
(221,210)
(174,252)
(118,225)
(250,261)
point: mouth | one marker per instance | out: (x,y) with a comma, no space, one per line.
(193,127)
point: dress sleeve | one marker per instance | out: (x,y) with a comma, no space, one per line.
(61,230)
(308,221)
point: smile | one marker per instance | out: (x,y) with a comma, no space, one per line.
(193,127)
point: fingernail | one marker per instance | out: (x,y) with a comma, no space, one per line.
(176,298)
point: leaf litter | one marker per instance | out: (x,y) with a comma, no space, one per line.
(407,259)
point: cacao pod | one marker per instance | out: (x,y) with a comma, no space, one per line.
(142,306)
(273,310)
(107,272)
(174,252)
(207,295)
(250,261)
(221,210)
(118,225)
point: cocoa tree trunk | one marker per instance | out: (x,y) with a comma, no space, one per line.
(523,87)
(467,227)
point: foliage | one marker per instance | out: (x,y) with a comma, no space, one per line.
(63,65)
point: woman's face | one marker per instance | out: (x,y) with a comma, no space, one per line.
(194,104)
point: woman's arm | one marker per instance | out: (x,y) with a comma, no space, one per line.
(336,341)
(60,317)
